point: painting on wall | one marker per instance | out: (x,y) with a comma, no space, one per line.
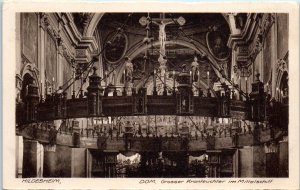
(29,28)
(51,60)
(216,43)
(67,74)
(117,48)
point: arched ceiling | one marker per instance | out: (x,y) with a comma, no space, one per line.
(196,30)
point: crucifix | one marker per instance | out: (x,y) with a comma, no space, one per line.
(162,22)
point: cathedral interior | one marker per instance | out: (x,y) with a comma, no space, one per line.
(117,95)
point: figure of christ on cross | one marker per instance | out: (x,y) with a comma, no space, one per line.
(162,22)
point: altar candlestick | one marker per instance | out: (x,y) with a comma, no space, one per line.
(165,79)
(173,79)
(191,78)
(124,72)
(53,85)
(41,89)
(74,80)
(208,79)
(154,79)
(105,78)
(246,79)
(198,73)
(115,79)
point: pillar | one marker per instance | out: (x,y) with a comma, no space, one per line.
(60,67)
(183,164)
(283,158)
(231,19)
(19,156)
(252,161)
(57,161)
(78,162)
(30,152)
(41,56)
(18,56)
(274,56)
(49,161)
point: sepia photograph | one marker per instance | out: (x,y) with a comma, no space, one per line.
(160,96)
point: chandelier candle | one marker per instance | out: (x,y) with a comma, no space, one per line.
(73,80)
(198,78)
(105,78)
(191,78)
(53,85)
(124,73)
(208,79)
(173,79)
(165,79)
(246,79)
(154,79)
(41,90)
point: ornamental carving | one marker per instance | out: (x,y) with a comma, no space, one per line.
(257,45)
(63,50)
(253,49)
(47,26)
(281,65)
(81,20)
(44,20)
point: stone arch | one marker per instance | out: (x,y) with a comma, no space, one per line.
(91,27)
(30,70)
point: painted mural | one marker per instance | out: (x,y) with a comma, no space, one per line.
(29,30)
(51,60)
(67,70)
(117,47)
(216,42)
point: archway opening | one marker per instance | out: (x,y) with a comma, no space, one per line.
(27,80)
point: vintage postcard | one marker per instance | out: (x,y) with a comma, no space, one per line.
(151,95)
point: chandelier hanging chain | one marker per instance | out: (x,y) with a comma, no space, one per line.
(191,40)
(194,124)
(120,29)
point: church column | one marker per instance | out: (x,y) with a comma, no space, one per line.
(60,59)
(50,156)
(252,161)
(283,158)
(274,56)
(30,152)
(41,54)
(78,162)
(143,164)
(231,19)
(18,56)
(110,163)
(49,161)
